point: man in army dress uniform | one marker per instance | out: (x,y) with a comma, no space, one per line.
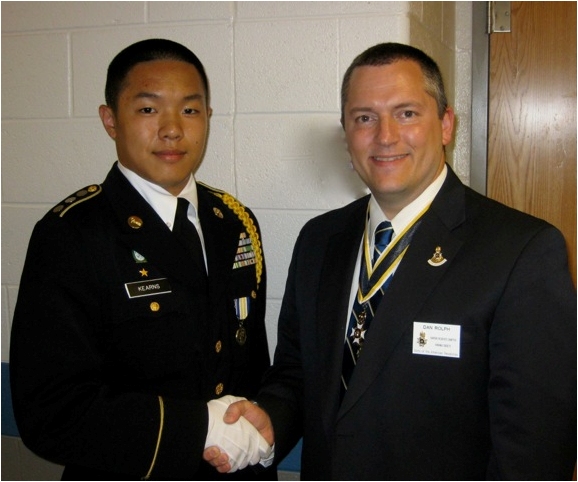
(129,320)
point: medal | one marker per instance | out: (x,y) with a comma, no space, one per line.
(241,334)
(242,306)
(358,331)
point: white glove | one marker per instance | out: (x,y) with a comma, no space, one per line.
(240,441)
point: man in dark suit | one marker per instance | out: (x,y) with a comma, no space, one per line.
(468,368)
(142,298)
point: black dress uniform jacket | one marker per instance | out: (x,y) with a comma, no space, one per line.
(504,409)
(119,340)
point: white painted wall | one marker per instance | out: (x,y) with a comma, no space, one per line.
(275,70)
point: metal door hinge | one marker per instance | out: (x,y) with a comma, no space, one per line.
(499,17)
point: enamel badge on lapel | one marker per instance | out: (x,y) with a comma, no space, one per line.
(218,213)
(437,259)
(138,258)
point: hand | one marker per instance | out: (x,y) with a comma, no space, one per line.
(233,445)
(254,414)
(219,458)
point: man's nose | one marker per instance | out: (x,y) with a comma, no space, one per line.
(388,131)
(170,128)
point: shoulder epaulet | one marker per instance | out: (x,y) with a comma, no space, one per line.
(212,189)
(78,197)
(241,212)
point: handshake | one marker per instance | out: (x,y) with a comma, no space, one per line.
(240,434)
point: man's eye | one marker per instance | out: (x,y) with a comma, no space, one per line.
(363,118)
(147,110)
(190,111)
(408,114)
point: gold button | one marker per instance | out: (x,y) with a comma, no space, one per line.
(92,188)
(218,346)
(219,389)
(253,294)
(134,222)
(155,306)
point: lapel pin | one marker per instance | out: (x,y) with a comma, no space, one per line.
(135,222)
(218,213)
(138,258)
(437,259)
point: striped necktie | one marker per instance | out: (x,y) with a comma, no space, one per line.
(383,235)
(363,313)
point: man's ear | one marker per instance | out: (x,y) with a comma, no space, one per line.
(448,126)
(108,120)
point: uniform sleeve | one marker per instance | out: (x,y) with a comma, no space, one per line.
(532,386)
(259,348)
(64,408)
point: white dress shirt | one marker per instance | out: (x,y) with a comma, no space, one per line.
(399,223)
(164,203)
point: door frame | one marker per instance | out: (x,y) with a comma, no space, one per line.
(480,94)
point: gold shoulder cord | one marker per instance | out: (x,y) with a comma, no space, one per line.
(161,425)
(247,221)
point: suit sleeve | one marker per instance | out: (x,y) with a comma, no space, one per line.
(65,410)
(532,386)
(282,392)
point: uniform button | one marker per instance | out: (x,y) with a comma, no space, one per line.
(218,346)
(253,294)
(155,306)
(219,389)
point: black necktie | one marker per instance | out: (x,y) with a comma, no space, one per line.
(187,234)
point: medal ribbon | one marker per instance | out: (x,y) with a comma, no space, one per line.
(373,277)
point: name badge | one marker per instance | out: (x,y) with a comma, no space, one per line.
(148,288)
(436,339)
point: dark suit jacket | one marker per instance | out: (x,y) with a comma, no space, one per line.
(88,361)
(506,408)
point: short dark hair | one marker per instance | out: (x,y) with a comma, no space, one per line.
(388,53)
(146,51)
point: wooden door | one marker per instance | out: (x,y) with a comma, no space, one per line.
(532,115)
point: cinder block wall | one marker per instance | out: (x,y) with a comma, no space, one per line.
(275,143)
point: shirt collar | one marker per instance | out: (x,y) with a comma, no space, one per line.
(162,201)
(408,213)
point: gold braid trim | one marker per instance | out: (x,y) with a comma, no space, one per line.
(247,221)
(161,426)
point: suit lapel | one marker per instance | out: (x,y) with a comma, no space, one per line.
(413,282)
(333,303)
